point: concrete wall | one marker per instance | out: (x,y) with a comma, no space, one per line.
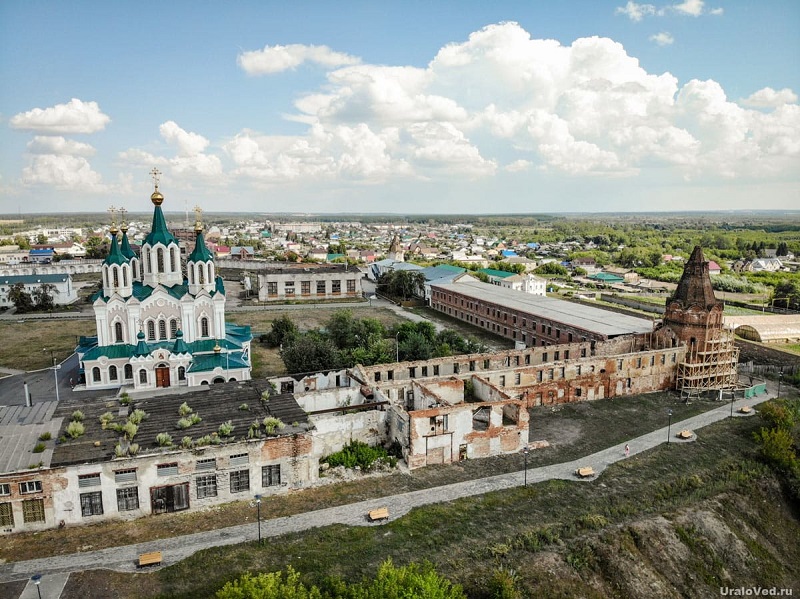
(333,432)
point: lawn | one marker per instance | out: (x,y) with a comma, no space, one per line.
(25,339)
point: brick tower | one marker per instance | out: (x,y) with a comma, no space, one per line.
(693,318)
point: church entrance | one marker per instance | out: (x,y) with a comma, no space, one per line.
(162,376)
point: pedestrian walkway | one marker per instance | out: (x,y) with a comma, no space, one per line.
(175,549)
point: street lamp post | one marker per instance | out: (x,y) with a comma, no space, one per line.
(258,508)
(37,579)
(780,379)
(525,453)
(669,426)
(55,368)
(397,346)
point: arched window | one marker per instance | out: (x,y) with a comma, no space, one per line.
(124,276)
(162,329)
(210,268)
(118,332)
(128,372)
(181,373)
(96,374)
(202,273)
(143,376)
(151,330)
(173,252)
(105,277)
(112,373)
(204,327)
(160,260)
(115,272)
(173,328)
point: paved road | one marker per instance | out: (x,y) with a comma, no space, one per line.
(176,549)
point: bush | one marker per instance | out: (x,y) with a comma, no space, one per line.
(184,423)
(359,454)
(778,413)
(185,410)
(77,416)
(45,436)
(225,429)
(75,429)
(164,439)
(137,416)
(187,442)
(38,448)
(105,419)
(272,424)
(776,446)
(195,418)
(503,584)
(133,449)
(125,399)
(244,407)
(130,430)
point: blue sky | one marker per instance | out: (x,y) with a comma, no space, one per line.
(407,107)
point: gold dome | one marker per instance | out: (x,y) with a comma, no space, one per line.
(157,198)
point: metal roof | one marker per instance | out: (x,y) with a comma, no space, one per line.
(581,316)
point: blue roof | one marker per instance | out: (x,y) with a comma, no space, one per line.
(509,253)
(42,252)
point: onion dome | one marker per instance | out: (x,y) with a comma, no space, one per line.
(142,349)
(180,346)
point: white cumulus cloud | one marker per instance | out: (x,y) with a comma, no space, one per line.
(62,172)
(188,144)
(770,98)
(692,8)
(75,116)
(662,38)
(636,12)
(275,59)
(46,144)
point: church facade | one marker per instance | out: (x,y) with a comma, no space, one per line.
(158,324)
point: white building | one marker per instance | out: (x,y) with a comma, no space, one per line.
(63,290)
(158,326)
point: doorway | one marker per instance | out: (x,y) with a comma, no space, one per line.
(162,376)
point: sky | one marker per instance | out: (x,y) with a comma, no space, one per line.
(433,107)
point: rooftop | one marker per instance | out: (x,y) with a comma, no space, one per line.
(588,318)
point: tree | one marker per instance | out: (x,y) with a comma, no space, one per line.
(22,242)
(41,239)
(270,585)
(787,294)
(404,284)
(284,330)
(310,352)
(43,296)
(21,299)
(96,248)
(783,249)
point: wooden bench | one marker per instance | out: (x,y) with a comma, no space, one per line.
(585,472)
(379,514)
(685,434)
(745,410)
(153,558)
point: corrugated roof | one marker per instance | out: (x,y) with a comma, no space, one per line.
(588,318)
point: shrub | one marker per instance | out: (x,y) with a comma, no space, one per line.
(225,429)
(75,429)
(593,521)
(503,584)
(38,448)
(125,399)
(137,416)
(776,445)
(105,419)
(272,424)
(77,416)
(244,407)
(185,410)
(45,436)
(133,449)
(164,439)
(184,423)
(252,432)
(130,430)
(195,418)
(778,413)
(359,454)
(118,451)
(187,442)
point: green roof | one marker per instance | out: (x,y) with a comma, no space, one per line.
(127,251)
(200,252)
(159,232)
(115,255)
(607,277)
(501,274)
(207,362)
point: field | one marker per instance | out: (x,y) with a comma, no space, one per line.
(24,340)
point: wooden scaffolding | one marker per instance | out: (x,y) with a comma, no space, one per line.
(709,368)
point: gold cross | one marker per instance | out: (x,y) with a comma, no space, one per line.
(198,214)
(111,210)
(155,174)
(122,212)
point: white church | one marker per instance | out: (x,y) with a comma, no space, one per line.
(156,326)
